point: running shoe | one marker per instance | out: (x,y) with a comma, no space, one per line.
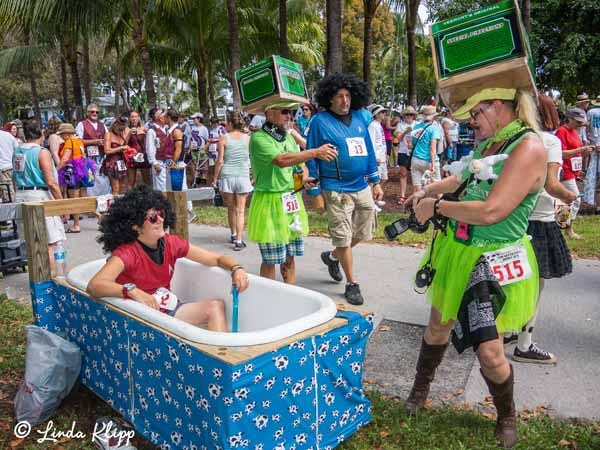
(233,238)
(353,295)
(534,355)
(508,339)
(332,266)
(239,245)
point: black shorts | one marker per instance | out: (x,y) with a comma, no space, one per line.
(404,160)
(388,146)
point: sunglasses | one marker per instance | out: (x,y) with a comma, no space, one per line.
(93,112)
(153,217)
(285,111)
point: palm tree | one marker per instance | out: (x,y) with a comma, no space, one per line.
(235,51)
(370,8)
(283,40)
(412,8)
(334,13)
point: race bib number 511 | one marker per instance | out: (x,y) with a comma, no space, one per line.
(509,264)
(356,147)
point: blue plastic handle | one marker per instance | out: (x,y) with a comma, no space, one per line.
(234,319)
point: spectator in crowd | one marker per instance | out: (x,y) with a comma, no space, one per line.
(198,151)
(37,180)
(388,129)
(116,144)
(304,120)
(377,134)
(232,173)
(159,158)
(137,141)
(402,132)
(214,135)
(53,140)
(450,128)
(8,144)
(424,148)
(548,111)
(92,132)
(573,152)
(346,182)
(592,176)
(76,171)
(12,128)
(187,135)
(256,123)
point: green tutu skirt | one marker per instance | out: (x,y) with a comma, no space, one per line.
(268,223)
(454,261)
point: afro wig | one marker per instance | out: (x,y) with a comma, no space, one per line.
(117,224)
(328,87)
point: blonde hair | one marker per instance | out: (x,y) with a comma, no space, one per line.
(527,110)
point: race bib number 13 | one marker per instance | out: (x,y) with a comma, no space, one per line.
(290,203)
(356,147)
(509,264)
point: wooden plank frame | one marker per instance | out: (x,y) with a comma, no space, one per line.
(36,237)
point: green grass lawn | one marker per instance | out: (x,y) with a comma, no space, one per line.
(588,227)
(438,428)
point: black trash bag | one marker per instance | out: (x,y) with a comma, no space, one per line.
(52,366)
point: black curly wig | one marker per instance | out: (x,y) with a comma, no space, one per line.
(129,210)
(328,87)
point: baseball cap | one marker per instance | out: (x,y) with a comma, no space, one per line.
(462,113)
(577,114)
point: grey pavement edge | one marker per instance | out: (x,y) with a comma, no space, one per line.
(568,324)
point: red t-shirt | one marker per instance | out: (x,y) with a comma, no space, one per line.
(145,273)
(570,140)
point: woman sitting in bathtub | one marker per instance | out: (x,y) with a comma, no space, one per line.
(143,258)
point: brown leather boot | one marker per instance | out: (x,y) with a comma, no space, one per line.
(430,357)
(506,425)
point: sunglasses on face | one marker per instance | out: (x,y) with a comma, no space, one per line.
(153,217)
(93,112)
(285,111)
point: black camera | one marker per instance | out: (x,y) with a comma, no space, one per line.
(393,230)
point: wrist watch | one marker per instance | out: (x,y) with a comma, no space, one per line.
(127,288)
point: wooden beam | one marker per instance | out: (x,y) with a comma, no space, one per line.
(69,206)
(36,241)
(178,201)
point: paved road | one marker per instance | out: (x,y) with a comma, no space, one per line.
(568,325)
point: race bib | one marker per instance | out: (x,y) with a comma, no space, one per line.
(290,203)
(19,163)
(356,147)
(577,163)
(165,299)
(93,150)
(121,167)
(509,264)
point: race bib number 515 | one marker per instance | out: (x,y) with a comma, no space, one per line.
(290,203)
(509,264)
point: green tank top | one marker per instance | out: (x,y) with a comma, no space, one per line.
(514,226)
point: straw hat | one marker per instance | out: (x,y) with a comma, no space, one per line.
(65,128)
(596,102)
(409,110)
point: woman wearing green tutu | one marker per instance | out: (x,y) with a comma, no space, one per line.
(277,220)
(485,275)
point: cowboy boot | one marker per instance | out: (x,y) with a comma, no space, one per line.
(506,425)
(430,357)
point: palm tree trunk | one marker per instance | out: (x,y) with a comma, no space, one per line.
(64,83)
(334,13)
(202,97)
(71,54)
(31,75)
(140,39)
(118,84)
(283,41)
(235,52)
(370,7)
(211,91)
(526,14)
(412,7)
(87,79)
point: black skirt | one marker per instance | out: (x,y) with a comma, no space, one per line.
(551,251)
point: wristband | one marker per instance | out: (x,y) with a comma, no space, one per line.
(436,208)
(234,268)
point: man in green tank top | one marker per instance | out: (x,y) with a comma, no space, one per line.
(277,220)
(485,279)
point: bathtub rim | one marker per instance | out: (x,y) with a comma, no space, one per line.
(232,354)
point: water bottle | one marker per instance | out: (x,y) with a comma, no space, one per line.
(59,260)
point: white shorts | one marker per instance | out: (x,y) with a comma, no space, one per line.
(383,171)
(54,225)
(418,168)
(236,185)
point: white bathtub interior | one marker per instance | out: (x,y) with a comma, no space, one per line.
(268,310)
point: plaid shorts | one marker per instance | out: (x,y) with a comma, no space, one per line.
(276,253)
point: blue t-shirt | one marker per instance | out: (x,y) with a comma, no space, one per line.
(356,157)
(422,147)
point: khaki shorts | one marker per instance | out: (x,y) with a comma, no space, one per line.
(351,215)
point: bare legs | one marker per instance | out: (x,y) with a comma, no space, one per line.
(205,311)
(287,269)
(76,193)
(236,210)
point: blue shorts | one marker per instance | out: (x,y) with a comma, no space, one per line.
(276,253)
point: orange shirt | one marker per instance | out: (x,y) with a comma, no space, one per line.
(75,145)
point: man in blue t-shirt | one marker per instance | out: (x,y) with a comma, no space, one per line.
(424,142)
(346,182)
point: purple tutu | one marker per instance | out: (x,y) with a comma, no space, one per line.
(77,173)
